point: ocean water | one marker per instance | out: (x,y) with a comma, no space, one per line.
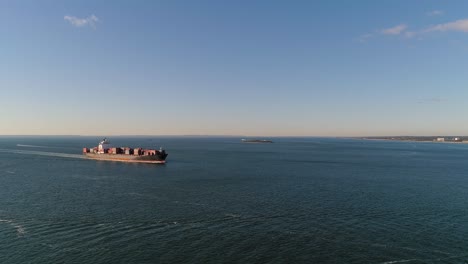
(298,200)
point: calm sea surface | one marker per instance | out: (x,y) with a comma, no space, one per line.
(298,200)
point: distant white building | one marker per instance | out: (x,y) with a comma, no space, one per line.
(441,139)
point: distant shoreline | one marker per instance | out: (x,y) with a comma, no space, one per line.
(422,139)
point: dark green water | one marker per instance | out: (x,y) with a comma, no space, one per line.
(298,200)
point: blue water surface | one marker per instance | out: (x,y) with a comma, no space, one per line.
(217,200)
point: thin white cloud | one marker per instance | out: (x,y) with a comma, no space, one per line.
(433,100)
(81,22)
(410,34)
(435,13)
(396,30)
(364,37)
(459,25)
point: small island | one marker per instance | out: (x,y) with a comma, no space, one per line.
(256,141)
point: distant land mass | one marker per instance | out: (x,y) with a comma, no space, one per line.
(454,139)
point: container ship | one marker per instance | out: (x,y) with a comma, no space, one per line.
(104,151)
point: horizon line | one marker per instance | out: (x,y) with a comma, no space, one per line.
(218,135)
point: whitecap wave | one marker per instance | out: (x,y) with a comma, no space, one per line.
(20,231)
(233,215)
(400,261)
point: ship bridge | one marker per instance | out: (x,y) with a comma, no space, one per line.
(104,145)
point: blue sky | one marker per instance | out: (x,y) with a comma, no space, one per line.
(259,68)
